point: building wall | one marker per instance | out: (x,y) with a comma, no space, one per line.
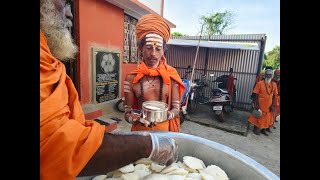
(100,25)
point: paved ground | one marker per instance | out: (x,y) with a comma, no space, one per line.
(263,149)
(235,122)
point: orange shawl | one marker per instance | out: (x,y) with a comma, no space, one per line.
(166,72)
(67,140)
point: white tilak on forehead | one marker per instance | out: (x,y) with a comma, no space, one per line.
(154,39)
(154,35)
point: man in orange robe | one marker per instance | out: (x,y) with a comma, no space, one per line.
(276,79)
(263,99)
(70,145)
(153,79)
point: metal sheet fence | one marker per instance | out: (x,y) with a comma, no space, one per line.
(243,62)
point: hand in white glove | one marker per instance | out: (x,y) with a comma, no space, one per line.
(164,150)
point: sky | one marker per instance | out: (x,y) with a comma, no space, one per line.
(251,16)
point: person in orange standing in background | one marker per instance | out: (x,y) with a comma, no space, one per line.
(153,79)
(276,79)
(230,85)
(259,77)
(70,145)
(263,98)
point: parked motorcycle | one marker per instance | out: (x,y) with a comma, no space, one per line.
(187,103)
(119,105)
(221,101)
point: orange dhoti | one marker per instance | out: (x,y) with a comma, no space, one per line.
(263,122)
(172,125)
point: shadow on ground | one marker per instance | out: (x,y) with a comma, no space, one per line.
(236,121)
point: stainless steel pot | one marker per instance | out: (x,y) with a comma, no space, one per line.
(236,165)
(154,111)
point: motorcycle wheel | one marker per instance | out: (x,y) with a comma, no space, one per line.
(221,116)
(182,117)
(119,105)
(192,106)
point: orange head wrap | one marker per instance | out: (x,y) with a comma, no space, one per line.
(152,23)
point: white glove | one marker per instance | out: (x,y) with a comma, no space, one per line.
(164,150)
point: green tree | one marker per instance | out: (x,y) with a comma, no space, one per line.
(273,58)
(178,34)
(264,61)
(217,23)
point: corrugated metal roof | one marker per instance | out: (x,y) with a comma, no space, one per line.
(227,37)
(215,44)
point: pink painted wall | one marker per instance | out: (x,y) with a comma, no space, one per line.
(101,24)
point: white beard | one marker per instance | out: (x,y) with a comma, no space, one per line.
(55,28)
(267,80)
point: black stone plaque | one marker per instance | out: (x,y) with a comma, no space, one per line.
(107,73)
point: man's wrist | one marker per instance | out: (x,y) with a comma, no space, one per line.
(170,115)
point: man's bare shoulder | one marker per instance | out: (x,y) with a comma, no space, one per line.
(173,81)
(130,77)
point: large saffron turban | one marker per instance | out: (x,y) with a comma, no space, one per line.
(152,23)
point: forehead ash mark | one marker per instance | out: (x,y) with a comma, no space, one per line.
(154,40)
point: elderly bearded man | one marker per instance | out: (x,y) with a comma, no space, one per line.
(263,98)
(70,145)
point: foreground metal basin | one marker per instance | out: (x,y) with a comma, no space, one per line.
(237,165)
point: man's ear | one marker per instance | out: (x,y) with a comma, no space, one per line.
(140,52)
(139,48)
